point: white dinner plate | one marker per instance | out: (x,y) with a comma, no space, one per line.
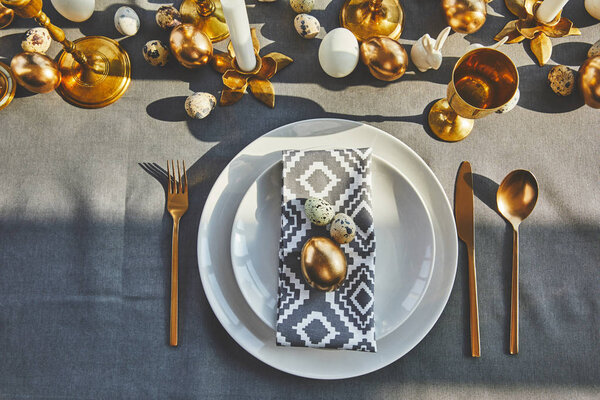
(403,230)
(214,258)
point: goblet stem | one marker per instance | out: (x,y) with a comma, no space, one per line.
(59,35)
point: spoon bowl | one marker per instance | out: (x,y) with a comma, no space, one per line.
(516,198)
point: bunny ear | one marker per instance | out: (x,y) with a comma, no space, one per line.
(500,43)
(427,42)
(442,38)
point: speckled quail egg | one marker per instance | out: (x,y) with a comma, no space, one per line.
(342,228)
(302,6)
(168,17)
(562,80)
(318,211)
(200,104)
(156,53)
(127,21)
(36,40)
(594,50)
(512,103)
(307,26)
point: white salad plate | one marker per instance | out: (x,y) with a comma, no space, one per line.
(403,230)
(215,263)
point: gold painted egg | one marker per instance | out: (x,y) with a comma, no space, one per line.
(190,46)
(386,58)
(323,264)
(36,72)
(589,81)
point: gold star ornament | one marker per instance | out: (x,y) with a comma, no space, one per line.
(237,81)
(529,27)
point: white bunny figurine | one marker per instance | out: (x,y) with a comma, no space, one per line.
(427,53)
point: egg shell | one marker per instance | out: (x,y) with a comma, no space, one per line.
(168,17)
(200,104)
(307,26)
(562,80)
(343,229)
(36,40)
(302,6)
(156,53)
(594,50)
(512,103)
(127,21)
(338,53)
(318,211)
(75,10)
(593,8)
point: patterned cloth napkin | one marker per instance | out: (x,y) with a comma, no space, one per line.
(342,319)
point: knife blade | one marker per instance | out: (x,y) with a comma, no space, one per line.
(465,227)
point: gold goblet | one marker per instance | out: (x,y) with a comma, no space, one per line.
(483,81)
(368,18)
(95,70)
(206,15)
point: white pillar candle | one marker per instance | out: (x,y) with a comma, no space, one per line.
(236,17)
(549,9)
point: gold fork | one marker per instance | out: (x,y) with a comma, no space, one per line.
(177,205)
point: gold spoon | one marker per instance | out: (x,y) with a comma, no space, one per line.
(6,16)
(516,198)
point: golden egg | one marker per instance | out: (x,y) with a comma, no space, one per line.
(190,46)
(35,72)
(323,264)
(386,58)
(589,81)
(465,16)
(6,16)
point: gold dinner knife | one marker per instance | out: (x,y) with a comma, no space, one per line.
(463,208)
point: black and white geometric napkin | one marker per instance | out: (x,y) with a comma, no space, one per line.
(344,318)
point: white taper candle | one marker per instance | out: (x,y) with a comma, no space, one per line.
(549,9)
(236,17)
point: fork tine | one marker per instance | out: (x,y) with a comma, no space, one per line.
(174,183)
(179,188)
(185,185)
(169,178)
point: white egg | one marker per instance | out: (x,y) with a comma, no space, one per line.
(75,10)
(338,53)
(127,21)
(307,26)
(593,8)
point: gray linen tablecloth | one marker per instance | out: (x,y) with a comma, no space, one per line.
(85,240)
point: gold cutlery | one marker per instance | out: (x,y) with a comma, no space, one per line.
(463,208)
(177,205)
(516,199)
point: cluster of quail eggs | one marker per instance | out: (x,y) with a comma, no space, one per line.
(321,213)
(306,25)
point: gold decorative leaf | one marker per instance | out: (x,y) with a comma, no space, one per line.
(263,90)
(511,31)
(234,80)
(221,62)
(229,97)
(528,28)
(541,46)
(562,28)
(255,41)
(230,50)
(528,7)
(515,6)
(281,59)
(267,69)
(574,31)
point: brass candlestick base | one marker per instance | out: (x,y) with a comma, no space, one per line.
(368,18)
(100,83)
(236,80)
(95,70)
(483,81)
(207,15)
(446,124)
(539,32)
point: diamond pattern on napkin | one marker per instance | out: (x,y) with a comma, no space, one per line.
(343,319)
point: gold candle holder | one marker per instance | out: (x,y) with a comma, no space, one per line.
(236,80)
(368,18)
(483,81)
(96,70)
(527,26)
(208,16)
(8,85)
(6,16)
